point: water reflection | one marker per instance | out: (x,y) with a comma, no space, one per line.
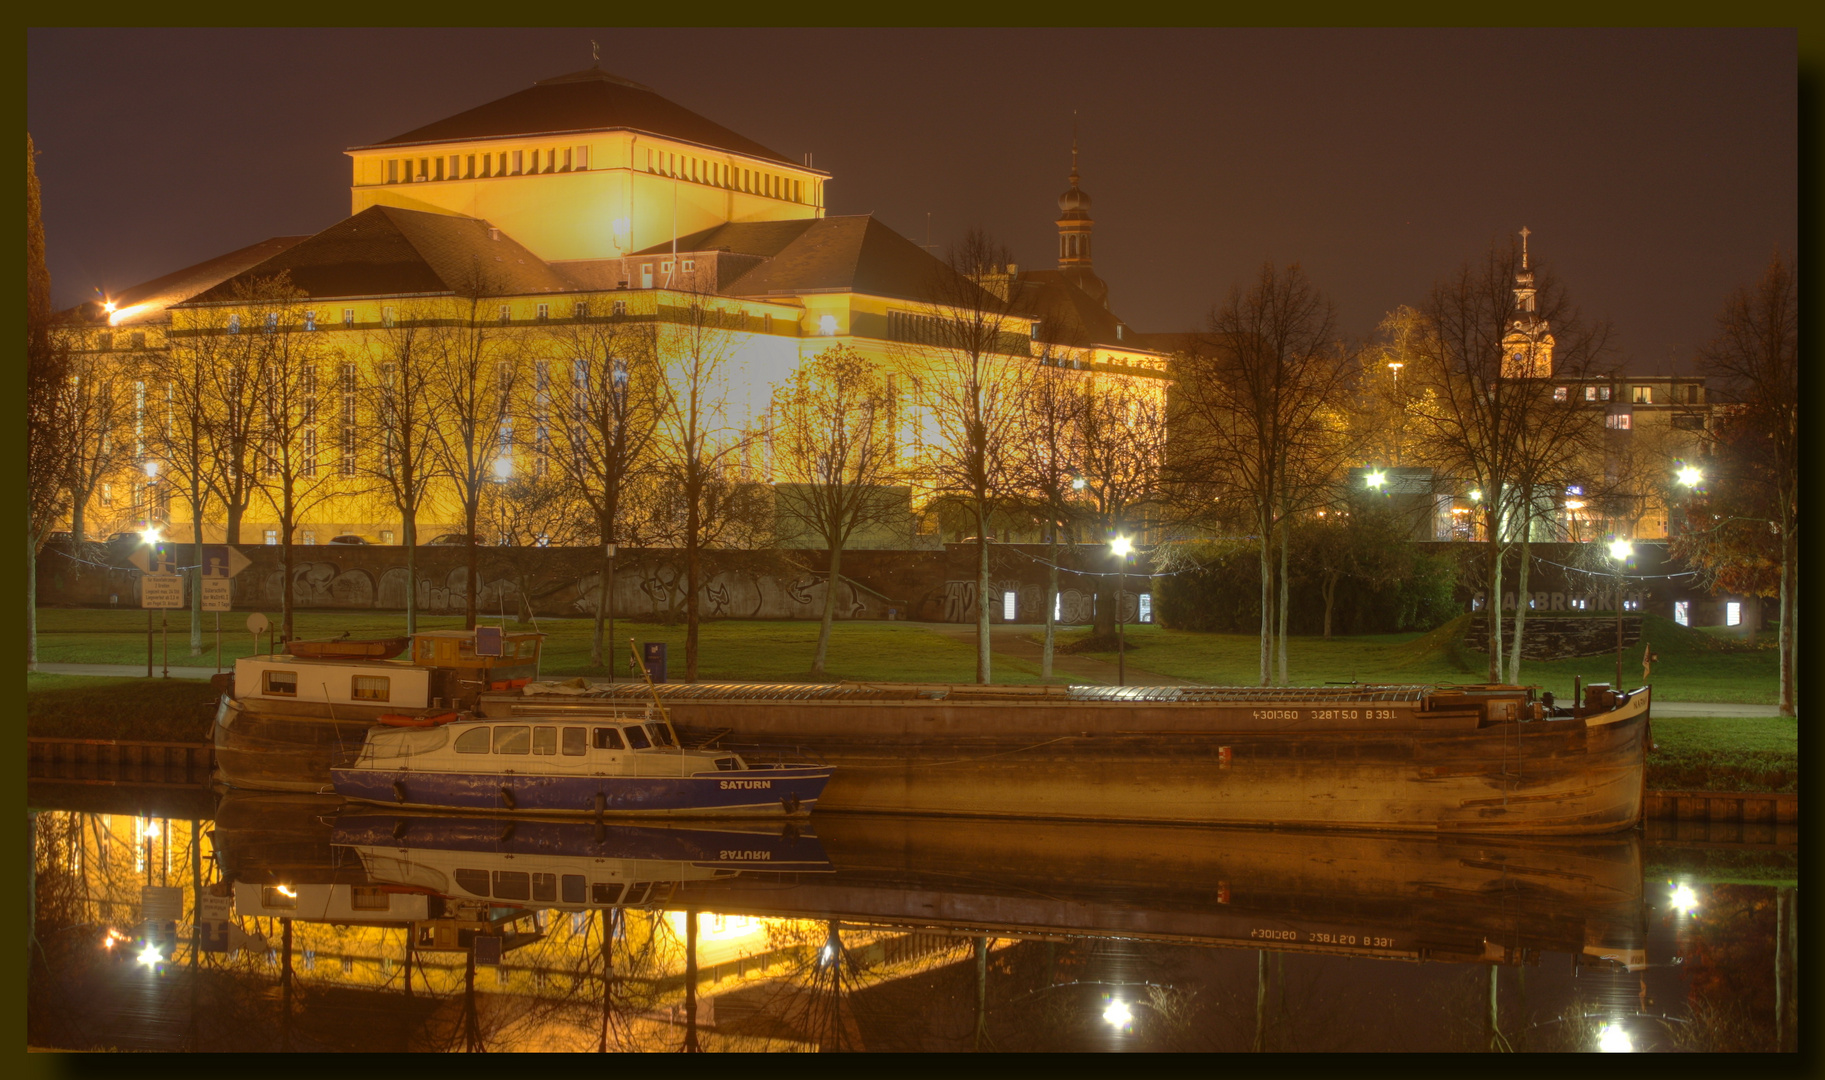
(293,922)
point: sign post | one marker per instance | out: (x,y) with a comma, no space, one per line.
(161,588)
(220,563)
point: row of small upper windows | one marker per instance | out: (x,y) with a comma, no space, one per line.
(1640,395)
(722,174)
(390,316)
(555,159)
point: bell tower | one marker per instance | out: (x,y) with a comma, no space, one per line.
(1527,348)
(1074,236)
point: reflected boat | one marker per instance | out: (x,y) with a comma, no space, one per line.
(1473,899)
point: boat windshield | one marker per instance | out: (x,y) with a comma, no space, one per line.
(636,737)
(662,735)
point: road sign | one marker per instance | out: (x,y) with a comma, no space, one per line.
(153,560)
(161,591)
(221,560)
(216,594)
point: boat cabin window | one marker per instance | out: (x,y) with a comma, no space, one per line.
(512,885)
(368,687)
(528,648)
(636,738)
(608,738)
(573,885)
(605,892)
(271,897)
(369,898)
(472,881)
(637,892)
(662,735)
(473,741)
(282,682)
(576,741)
(512,739)
(544,740)
(545,887)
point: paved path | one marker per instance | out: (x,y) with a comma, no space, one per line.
(128,671)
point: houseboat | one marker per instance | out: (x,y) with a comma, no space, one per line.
(285,718)
(610,766)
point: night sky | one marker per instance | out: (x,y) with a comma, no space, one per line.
(1656,169)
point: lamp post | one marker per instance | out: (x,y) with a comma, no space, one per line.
(1620,553)
(1120,547)
(1394,367)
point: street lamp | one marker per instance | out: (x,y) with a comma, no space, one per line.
(1621,551)
(1376,479)
(1689,476)
(1121,547)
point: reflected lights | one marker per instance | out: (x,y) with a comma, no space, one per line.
(149,955)
(150,535)
(1684,899)
(1376,479)
(1118,1014)
(1621,549)
(1121,546)
(1690,476)
(1614,1040)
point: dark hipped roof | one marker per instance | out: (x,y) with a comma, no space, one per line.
(851,253)
(1068,315)
(180,285)
(590,100)
(388,251)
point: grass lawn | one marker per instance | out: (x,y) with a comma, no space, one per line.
(1736,753)
(774,651)
(85,707)
(1692,666)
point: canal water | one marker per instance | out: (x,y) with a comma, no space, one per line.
(170,919)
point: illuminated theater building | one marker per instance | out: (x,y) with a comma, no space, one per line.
(588,198)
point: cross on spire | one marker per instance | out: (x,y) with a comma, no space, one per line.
(1525,233)
(595,51)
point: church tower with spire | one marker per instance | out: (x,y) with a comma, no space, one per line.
(1527,348)
(1074,225)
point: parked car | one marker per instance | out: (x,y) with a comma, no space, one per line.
(456,540)
(350,538)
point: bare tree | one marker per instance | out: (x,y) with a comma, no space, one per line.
(399,404)
(98,410)
(1048,466)
(1121,447)
(973,369)
(833,424)
(47,446)
(1257,393)
(1755,360)
(184,450)
(1498,338)
(293,471)
(700,447)
(602,411)
(473,371)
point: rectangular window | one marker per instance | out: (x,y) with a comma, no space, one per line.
(1682,612)
(665,267)
(473,741)
(310,320)
(544,740)
(348,316)
(368,898)
(581,311)
(1010,605)
(456,167)
(519,161)
(1733,613)
(689,265)
(512,885)
(386,536)
(1644,395)
(636,738)
(576,741)
(271,897)
(513,739)
(282,683)
(608,738)
(310,535)
(544,312)
(272,321)
(387,317)
(605,892)
(581,159)
(506,313)
(573,888)
(393,171)
(1603,393)
(1146,615)
(1560,393)
(620,307)
(1590,393)
(234,324)
(1618,421)
(544,887)
(469,172)
(272,537)
(437,169)
(369,687)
